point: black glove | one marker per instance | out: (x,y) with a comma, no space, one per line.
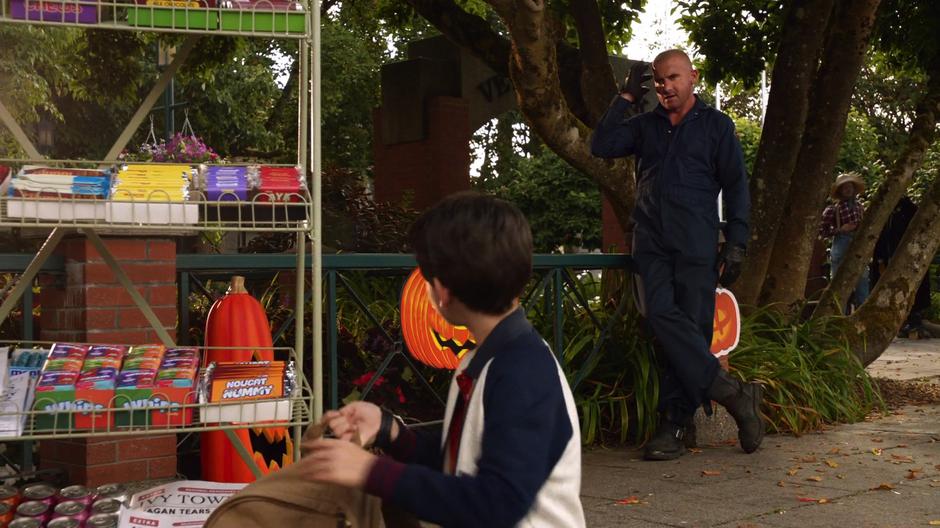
(634,84)
(729,263)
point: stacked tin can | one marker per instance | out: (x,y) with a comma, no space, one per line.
(42,506)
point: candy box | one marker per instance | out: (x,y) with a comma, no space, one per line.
(180,14)
(68,351)
(266,16)
(83,12)
(165,390)
(72,408)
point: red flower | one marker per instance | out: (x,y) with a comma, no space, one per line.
(361,381)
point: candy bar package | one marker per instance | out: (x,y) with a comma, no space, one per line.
(226,183)
(243,381)
(68,351)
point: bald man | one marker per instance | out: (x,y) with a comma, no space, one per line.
(686,152)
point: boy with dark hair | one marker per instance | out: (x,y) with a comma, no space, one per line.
(510,452)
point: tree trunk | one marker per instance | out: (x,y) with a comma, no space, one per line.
(533,68)
(795,67)
(878,320)
(922,134)
(597,77)
(829,105)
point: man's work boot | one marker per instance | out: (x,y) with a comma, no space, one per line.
(667,443)
(742,400)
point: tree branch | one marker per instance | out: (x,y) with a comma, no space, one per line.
(468,31)
(597,77)
(534,70)
(878,320)
(922,134)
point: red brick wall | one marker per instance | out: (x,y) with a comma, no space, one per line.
(93,307)
(97,461)
(430,169)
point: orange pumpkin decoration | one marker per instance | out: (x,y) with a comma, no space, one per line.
(238,320)
(726,329)
(429,337)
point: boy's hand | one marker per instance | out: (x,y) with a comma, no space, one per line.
(337,462)
(849,227)
(363,417)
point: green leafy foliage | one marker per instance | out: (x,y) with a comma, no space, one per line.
(748,132)
(809,373)
(563,206)
(736,37)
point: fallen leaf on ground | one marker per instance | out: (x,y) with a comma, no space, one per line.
(877,440)
(815,479)
(883,486)
(781,483)
(876,451)
(934,523)
(912,473)
(901,445)
(695,450)
(807,499)
(840,477)
(903,458)
(792,471)
(823,501)
(707,473)
(834,451)
(808,459)
(633,499)
(832,464)
(937,466)
(669,475)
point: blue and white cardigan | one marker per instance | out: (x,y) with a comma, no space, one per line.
(519,462)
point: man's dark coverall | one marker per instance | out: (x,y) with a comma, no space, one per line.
(679,172)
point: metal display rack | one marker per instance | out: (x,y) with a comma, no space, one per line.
(189,415)
(300,215)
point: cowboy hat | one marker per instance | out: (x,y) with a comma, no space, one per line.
(847,177)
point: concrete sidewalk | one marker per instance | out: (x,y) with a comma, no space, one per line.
(885,472)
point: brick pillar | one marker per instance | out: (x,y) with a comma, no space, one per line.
(93,307)
(429,169)
(613,238)
(96,461)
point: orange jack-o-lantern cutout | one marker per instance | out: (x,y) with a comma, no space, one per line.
(430,338)
(727,326)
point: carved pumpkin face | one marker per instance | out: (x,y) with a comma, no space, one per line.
(727,326)
(272,448)
(429,337)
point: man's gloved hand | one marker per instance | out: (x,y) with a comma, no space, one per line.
(729,263)
(634,83)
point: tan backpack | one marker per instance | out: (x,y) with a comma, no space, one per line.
(284,499)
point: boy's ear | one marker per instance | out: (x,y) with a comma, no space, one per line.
(441,292)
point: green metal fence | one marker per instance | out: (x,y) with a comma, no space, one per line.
(554,285)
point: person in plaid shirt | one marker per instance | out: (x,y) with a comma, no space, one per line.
(840,221)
